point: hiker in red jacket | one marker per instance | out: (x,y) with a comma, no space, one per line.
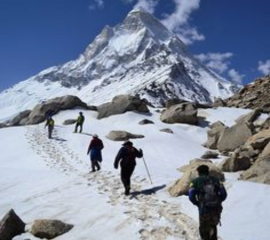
(95,147)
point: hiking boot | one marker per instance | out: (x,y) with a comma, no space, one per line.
(93,170)
(127,191)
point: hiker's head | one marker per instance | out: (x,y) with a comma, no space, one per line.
(80,113)
(203,170)
(127,144)
(95,135)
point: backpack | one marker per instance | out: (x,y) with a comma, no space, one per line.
(209,193)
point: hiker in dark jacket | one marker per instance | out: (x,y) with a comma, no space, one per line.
(50,125)
(127,155)
(79,122)
(207,193)
(95,147)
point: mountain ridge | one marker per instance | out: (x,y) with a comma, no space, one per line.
(138,56)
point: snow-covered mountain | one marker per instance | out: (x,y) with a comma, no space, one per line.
(139,56)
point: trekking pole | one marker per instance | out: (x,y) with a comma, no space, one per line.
(147,170)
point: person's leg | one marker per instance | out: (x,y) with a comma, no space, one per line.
(125,177)
(50,131)
(205,227)
(81,128)
(93,165)
(76,127)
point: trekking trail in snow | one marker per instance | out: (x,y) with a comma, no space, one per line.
(160,219)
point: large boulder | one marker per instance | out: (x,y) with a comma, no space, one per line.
(173,101)
(38,114)
(250,117)
(259,140)
(181,186)
(233,137)
(259,172)
(18,120)
(121,104)
(180,113)
(49,229)
(122,136)
(213,134)
(235,163)
(11,225)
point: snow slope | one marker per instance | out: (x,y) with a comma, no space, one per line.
(42,178)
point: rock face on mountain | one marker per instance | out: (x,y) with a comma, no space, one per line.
(254,95)
(139,56)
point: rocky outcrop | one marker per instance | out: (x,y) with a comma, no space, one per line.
(254,95)
(49,229)
(173,101)
(180,113)
(233,137)
(181,186)
(122,136)
(121,104)
(55,105)
(11,225)
(209,155)
(213,134)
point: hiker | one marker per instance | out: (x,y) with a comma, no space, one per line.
(127,155)
(79,122)
(49,113)
(95,147)
(207,193)
(50,125)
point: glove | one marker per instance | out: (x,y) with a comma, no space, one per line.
(115,166)
(141,151)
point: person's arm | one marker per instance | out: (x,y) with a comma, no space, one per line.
(118,157)
(222,192)
(89,148)
(138,153)
(192,194)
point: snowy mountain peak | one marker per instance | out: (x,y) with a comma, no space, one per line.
(139,56)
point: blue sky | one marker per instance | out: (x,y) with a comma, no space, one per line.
(229,36)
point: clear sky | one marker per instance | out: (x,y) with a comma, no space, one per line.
(230,36)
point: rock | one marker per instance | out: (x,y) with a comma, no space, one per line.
(49,229)
(219,103)
(180,113)
(181,186)
(213,134)
(250,117)
(233,137)
(259,140)
(38,113)
(17,121)
(146,121)
(209,155)
(121,104)
(167,130)
(69,121)
(173,101)
(253,95)
(122,136)
(235,163)
(11,225)
(259,172)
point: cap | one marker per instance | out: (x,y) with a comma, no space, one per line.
(127,143)
(95,135)
(80,113)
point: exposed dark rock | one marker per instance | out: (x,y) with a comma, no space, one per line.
(146,121)
(167,130)
(69,121)
(11,225)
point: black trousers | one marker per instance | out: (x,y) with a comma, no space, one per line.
(78,125)
(126,172)
(208,224)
